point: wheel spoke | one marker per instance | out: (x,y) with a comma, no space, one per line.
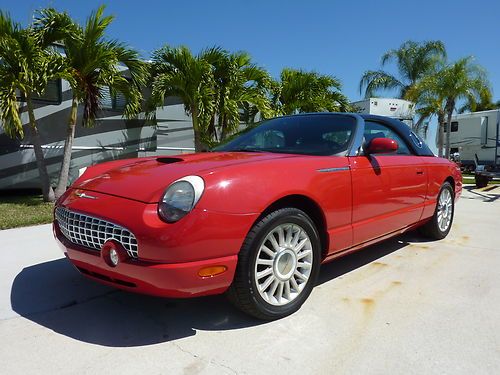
(266,284)
(289,233)
(294,284)
(299,275)
(304,265)
(268,251)
(287,290)
(273,287)
(281,236)
(266,272)
(304,254)
(265,262)
(272,239)
(300,245)
(279,294)
(296,238)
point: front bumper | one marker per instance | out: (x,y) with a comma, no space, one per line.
(170,255)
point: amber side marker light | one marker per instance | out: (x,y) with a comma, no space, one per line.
(212,271)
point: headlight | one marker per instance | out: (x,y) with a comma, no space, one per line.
(180,198)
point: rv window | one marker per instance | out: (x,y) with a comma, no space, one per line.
(52,93)
(116,101)
(454,126)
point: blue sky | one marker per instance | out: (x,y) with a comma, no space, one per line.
(342,38)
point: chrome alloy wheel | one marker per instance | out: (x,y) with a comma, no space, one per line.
(445,210)
(284,264)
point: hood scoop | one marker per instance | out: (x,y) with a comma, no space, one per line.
(165,160)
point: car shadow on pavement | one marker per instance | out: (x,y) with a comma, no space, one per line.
(54,295)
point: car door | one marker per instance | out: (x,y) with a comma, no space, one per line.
(388,189)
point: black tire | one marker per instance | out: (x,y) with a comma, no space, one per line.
(481,181)
(431,229)
(243,292)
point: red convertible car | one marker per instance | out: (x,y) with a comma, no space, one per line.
(257,216)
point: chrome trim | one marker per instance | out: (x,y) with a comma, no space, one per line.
(83,195)
(336,169)
(92,232)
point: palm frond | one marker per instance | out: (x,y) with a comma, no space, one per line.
(372,81)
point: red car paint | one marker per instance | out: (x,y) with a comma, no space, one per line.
(365,200)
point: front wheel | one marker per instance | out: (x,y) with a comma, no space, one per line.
(440,224)
(277,266)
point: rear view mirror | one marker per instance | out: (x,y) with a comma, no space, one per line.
(381,146)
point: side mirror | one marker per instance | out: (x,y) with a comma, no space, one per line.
(381,146)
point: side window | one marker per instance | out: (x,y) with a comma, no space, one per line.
(377,130)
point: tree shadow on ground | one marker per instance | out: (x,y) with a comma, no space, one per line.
(54,295)
(488,195)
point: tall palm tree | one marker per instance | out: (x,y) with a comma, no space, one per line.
(239,84)
(413,60)
(301,91)
(462,80)
(93,64)
(25,68)
(177,72)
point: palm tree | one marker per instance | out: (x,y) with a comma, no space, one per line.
(462,80)
(414,61)
(25,69)
(301,91)
(93,64)
(239,84)
(177,72)
(485,103)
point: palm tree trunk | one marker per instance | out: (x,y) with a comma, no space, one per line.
(68,147)
(223,133)
(198,144)
(449,109)
(440,133)
(47,191)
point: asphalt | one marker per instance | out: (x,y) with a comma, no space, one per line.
(405,306)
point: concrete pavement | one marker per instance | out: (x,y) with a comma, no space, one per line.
(402,306)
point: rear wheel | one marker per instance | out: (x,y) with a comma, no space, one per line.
(440,224)
(481,181)
(277,266)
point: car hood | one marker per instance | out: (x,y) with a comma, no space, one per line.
(146,179)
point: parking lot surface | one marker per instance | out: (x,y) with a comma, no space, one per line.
(405,306)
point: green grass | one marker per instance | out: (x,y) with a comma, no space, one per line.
(21,211)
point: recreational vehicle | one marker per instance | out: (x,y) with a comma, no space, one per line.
(112,137)
(475,137)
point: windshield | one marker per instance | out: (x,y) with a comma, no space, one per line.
(307,135)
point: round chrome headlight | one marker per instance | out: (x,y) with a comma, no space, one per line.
(180,198)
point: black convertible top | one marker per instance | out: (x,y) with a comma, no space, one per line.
(417,144)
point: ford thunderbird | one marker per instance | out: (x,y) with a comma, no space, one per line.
(257,216)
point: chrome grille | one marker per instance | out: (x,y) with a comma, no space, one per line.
(91,232)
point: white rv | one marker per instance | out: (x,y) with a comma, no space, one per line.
(396,108)
(475,137)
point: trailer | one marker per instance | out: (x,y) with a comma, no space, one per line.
(400,109)
(475,137)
